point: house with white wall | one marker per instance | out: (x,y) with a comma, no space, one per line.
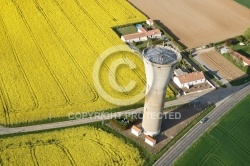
(150,22)
(134,37)
(136,130)
(150,140)
(142,34)
(189,79)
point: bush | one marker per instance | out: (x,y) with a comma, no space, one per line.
(230,41)
(247,34)
(158,41)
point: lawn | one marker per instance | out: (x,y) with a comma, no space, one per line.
(126,30)
(226,144)
(244,2)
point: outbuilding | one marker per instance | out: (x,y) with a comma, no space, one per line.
(150,22)
(136,130)
(150,140)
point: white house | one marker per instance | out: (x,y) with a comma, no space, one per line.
(155,33)
(150,140)
(142,34)
(136,130)
(134,37)
(187,80)
(150,22)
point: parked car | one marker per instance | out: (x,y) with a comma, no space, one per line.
(203,120)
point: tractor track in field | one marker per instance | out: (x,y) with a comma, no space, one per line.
(19,64)
(67,50)
(103,32)
(67,100)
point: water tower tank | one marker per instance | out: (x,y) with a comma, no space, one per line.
(159,65)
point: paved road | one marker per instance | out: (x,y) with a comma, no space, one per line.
(205,96)
(188,139)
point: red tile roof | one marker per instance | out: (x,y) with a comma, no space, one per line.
(136,128)
(150,20)
(242,57)
(139,35)
(190,77)
(153,32)
(150,138)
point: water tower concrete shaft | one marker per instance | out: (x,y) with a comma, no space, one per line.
(159,65)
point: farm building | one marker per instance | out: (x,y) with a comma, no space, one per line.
(136,131)
(245,60)
(141,35)
(150,22)
(134,37)
(190,79)
(150,140)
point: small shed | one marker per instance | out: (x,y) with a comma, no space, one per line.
(150,22)
(150,140)
(136,130)
(224,50)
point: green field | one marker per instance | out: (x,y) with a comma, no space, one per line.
(244,2)
(226,144)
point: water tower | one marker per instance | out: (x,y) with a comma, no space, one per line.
(159,65)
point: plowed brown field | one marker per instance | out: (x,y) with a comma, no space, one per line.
(224,67)
(198,22)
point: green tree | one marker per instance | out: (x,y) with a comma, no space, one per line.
(247,34)
(149,42)
(241,38)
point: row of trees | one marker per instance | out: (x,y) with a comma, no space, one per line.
(245,38)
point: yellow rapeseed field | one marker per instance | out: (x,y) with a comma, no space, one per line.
(47,53)
(74,146)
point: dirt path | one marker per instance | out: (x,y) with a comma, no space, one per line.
(198,22)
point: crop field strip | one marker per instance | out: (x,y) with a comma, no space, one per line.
(49,91)
(72,146)
(231,136)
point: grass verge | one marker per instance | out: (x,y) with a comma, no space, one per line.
(228,141)
(180,134)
